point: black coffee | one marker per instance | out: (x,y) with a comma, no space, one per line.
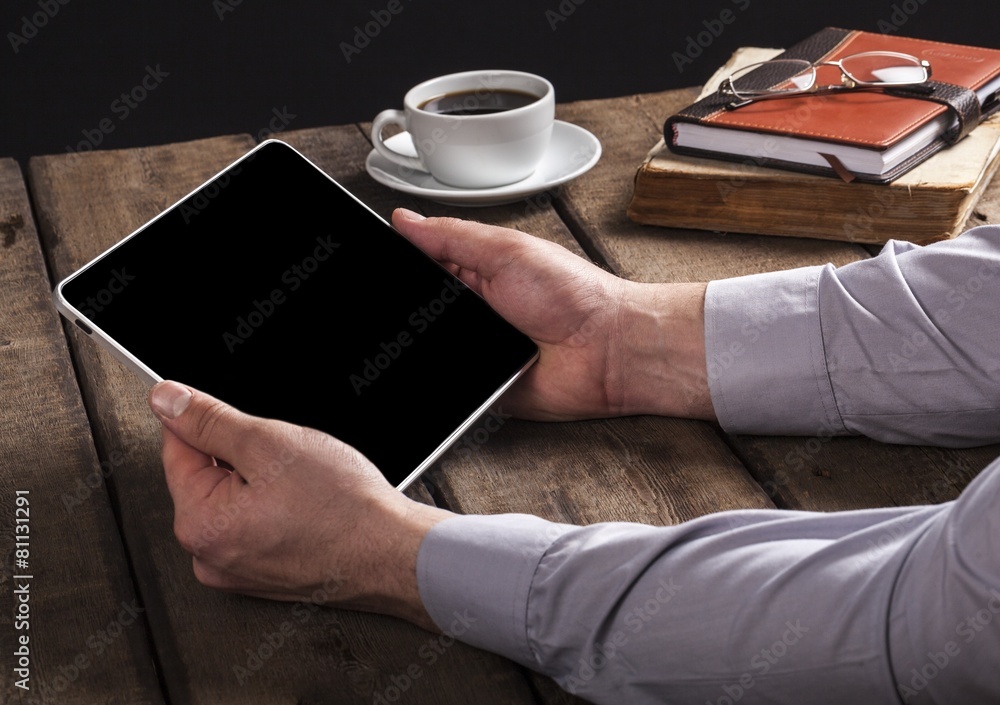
(477,102)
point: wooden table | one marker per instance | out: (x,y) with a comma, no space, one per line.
(116,615)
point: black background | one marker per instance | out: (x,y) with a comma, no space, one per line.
(234,71)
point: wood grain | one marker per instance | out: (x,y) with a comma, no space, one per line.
(803,473)
(87,627)
(203,638)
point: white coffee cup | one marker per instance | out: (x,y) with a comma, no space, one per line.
(473,150)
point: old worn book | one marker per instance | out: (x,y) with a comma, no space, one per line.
(931,202)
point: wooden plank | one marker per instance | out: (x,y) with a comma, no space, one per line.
(806,473)
(642,469)
(86,202)
(87,635)
(825,473)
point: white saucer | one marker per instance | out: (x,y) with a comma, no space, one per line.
(572,152)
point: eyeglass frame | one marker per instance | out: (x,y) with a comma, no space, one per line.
(849,81)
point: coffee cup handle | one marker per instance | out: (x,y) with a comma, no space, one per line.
(392,117)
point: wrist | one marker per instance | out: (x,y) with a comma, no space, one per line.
(662,351)
(396,535)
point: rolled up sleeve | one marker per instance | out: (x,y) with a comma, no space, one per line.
(903,347)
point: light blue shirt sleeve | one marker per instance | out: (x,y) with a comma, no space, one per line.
(903,347)
(895,605)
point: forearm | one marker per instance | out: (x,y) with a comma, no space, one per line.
(753,606)
(388,567)
(901,347)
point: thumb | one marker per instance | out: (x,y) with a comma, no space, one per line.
(484,249)
(202,421)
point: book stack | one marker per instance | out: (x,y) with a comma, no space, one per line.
(930,201)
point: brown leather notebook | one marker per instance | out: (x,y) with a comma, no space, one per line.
(871,136)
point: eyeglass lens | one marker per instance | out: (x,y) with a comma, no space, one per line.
(884,68)
(773,77)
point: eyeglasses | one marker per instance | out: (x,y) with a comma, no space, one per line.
(788,77)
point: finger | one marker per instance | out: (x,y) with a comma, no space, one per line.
(191,475)
(484,249)
(204,423)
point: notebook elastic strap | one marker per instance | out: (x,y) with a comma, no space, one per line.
(964,104)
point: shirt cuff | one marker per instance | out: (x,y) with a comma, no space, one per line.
(767,369)
(474,574)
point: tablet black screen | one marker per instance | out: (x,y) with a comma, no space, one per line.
(276,291)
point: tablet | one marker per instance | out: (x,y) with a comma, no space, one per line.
(274,289)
